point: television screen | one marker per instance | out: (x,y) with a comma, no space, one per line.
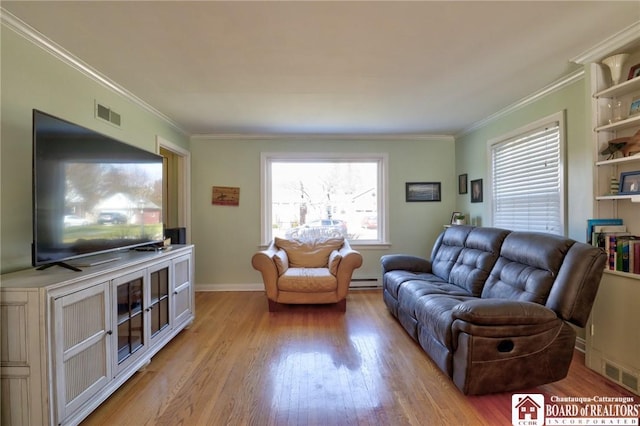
(91,193)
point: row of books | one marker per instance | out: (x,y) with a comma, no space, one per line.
(622,247)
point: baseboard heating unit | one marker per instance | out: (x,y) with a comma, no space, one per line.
(365,283)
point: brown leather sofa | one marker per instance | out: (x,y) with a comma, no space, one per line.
(491,306)
(316,271)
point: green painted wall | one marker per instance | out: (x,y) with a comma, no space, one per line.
(471,153)
(226,237)
(33,78)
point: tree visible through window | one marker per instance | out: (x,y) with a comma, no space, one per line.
(308,196)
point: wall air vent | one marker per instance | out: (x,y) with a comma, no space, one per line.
(630,381)
(625,378)
(107,114)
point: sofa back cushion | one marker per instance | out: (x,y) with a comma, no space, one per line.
(446,250)
(527,267)
(476,259)
(309,254)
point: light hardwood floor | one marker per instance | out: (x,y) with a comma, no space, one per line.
(238,364)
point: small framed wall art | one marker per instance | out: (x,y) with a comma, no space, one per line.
(422,191)
(476,191)
(462,184)
(225,196)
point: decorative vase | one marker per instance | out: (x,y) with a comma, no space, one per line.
(615,110)
(615,64)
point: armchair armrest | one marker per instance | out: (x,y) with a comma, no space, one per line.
(404,262)
(351,260)
(263,261)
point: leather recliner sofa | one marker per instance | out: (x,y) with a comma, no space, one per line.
(491,306)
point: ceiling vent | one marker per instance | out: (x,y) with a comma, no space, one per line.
(107,114)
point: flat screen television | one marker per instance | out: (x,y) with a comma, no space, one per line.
(92,194)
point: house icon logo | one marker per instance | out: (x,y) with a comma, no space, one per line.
(527,409)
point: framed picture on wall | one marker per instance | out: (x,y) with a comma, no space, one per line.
(422,191)
(476,191)
(225,196)
(630,183)
(462,184)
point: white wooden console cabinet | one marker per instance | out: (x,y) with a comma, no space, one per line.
(70,339)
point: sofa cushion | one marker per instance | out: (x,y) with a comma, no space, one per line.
(307,280)
(410,293)
(392,280)
(309,254)
(477,258)
(527,267)
(434,313)
(446,250)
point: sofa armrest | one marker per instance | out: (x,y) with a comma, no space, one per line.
(502,312)
(405,262)
(499,318)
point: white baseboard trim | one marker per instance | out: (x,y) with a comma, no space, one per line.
(230,287)
(260,287)
(581,344)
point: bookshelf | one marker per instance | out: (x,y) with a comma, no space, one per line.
(612,338)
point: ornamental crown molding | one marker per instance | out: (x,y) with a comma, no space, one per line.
(627,37)
(323,137)
(545,91)
(12,22)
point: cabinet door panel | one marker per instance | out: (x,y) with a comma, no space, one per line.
(182,290)
(82,346)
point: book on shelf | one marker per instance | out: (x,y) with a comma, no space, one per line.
(624,252)
(591,223)
(602,232)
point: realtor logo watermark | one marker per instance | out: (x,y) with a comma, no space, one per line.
(532,409)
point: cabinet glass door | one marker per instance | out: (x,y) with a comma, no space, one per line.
(159,304)
(130,318)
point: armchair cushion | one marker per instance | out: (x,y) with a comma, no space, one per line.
(334,262)
(309,254)
(307,280)
(282,261)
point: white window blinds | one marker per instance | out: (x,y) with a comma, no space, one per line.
(527,181)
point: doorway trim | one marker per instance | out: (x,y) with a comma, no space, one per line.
(184,182)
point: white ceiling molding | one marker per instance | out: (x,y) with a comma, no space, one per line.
(322,137)
(622,39)
(545,91)
(34,36)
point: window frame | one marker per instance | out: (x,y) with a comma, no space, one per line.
(523,131)
(382,160)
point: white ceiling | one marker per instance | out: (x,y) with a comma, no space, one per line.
(277,67)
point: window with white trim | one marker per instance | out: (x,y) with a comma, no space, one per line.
(308,195)
(527,178)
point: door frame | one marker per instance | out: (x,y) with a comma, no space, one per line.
(184,182)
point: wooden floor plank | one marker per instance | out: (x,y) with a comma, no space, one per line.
(239,364)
